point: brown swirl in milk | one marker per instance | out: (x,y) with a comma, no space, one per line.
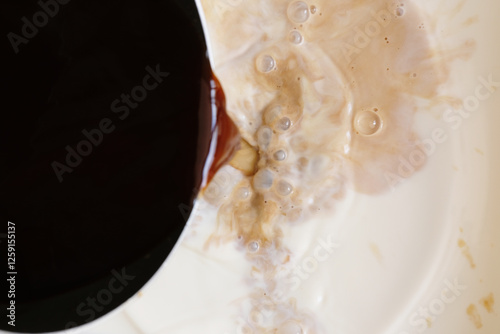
(326,93)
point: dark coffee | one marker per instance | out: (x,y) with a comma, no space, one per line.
(107,122)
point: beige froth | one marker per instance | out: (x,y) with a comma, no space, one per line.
(347,77)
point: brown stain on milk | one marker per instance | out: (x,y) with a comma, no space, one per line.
(429,322)
(488,303)
(478,151)
(321,86)
(474,316)
(466,252)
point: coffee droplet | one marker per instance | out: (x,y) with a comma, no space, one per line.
(284,188)
(263,179)
(253,247)
(284,124)
(298,12)
(367,123)
(265,63)
(290,327)
(279,155)
(295,37)
(313,9)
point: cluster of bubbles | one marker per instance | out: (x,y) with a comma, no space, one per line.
(275,122)
(269,178)
(263,179)
(298,12)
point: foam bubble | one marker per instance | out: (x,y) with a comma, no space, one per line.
(295,37)
(279,155)
(400,11)
(264,136)
(298,12)
(265,63)
(263,179)
(284,124)
(284,188)
(367,122)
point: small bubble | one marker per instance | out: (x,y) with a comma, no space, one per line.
(265,63)
(295,37)
(284,124)
(253,246)
(313,9)
(280,155)
(298,12)
(400,11)
(263,179)
(284,188)
(290,327)
(264,136)
(367,123)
